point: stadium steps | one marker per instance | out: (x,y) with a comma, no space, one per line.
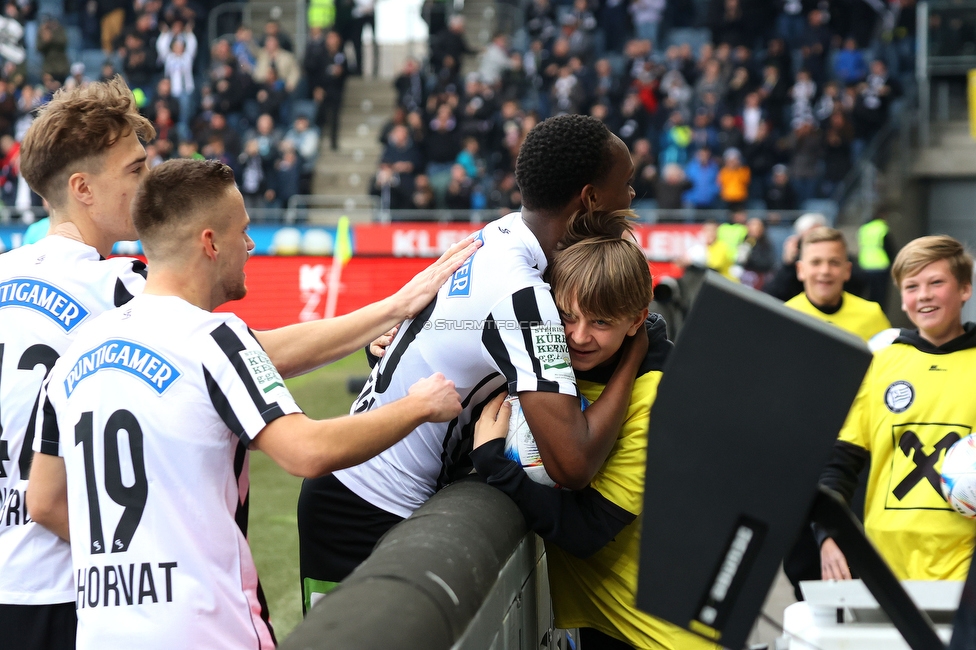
(951,152)
(367,106)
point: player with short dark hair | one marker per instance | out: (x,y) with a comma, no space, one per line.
(602,287)
(913,404)
(492,326)
(193,392)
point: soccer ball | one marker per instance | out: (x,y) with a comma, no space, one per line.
(959,476)
(520,445)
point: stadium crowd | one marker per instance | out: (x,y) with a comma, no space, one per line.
(770,111)
(245,99)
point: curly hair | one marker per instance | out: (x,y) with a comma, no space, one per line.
(559,157)
(73,129)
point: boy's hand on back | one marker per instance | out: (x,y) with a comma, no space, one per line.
(438,394)
(493,423)
(635,347)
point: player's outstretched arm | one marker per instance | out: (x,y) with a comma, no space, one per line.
(302,347)
(581,522)
(310,448)
(573,443)
(47,494)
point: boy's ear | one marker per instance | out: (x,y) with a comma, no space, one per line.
(638,322)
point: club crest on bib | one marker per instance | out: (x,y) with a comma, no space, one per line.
(899,396)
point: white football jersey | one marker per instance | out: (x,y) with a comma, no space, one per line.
(493,323)
(153,409)
(47,291)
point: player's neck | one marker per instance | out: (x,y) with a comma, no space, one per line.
(180,282)
(80,227)
(548,228)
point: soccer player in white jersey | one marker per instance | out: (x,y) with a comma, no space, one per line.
(492,327)
(84,156)
(153,409)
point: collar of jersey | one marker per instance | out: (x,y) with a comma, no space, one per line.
(964,341)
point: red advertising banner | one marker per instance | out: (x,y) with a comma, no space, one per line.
(661,242)
(286,290)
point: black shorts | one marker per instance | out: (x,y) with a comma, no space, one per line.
(39,627)
(337,530)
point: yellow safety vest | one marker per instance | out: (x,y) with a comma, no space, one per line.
(870,241)
(321,13)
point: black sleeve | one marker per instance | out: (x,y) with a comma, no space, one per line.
(840,475)
(371,358)
(580,522)
(890,249)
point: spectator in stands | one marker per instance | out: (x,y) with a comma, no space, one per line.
(229,82)
(217,127)
(245,49)
(183,11)
(505,197)
(671,186)
(448,47)
(837,138)
(733,180)
(849,65)
(459,189)
(646,16)
(442,144)
(305,139)
(729,135)
(363,13)
(423,194)
(253,181)
(756,255)
(675,138)
(52,43)
(283,61)
(712,253)
(780,194)
(702,171)
(645,173)
(163,97)
(8,110)
(752,117)
(112,20)
(178,68)
(328,87)
(494,60)
(272,29)
(774,91)
(874,98)
(270,97)
(138,63)
(470,158)
(806,153)
(288,173)
(268,138)
(410,86)
(540,20)
(402,159)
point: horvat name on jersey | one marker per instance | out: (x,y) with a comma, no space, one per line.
(115,585)
(44,298)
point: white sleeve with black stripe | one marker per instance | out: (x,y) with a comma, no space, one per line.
(47,436)
(524,338)
(244,386)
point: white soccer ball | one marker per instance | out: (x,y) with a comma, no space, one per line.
(520,446)
(959,476)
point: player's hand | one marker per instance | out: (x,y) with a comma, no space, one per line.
(635,347)
(378,347)
(419,291)
(833,564)
(493,423)
(437,393)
